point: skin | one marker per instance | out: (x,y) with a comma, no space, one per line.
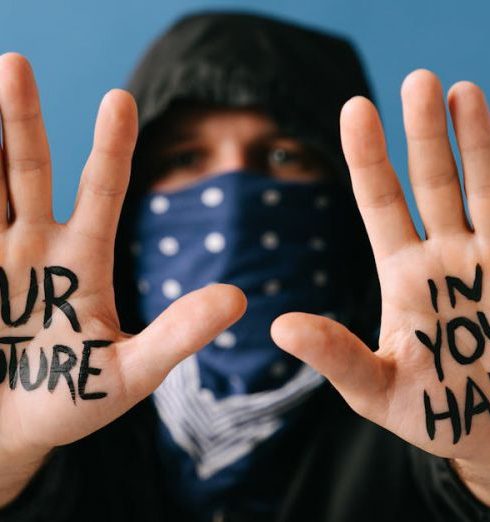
(384,386)
(201,141)
(33,423)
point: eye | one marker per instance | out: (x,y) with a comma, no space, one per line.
(282,156)
(180,160)
(290,159)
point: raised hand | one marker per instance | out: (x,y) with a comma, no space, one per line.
(66,369)
(429,381)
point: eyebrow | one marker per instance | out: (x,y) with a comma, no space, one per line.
(174,137)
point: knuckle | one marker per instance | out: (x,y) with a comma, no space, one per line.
(30,166)
(436,180)
(382,199)
(104,190)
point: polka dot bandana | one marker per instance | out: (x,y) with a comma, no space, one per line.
(274,239)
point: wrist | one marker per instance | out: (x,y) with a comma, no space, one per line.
(16,471)
(476,477)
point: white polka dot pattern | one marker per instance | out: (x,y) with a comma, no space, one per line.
(272,287)
(171,288)
(212,197)
(271,197)
(159,204)
(225,339)
(214,242)
(321,202)
(168,246)
(317,243)
(135,248)
(143,286)
(270,240)
(320,278)
(276,241)
(278,369)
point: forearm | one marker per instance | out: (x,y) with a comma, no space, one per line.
(475,477)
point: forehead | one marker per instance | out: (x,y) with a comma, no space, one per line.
(196,120)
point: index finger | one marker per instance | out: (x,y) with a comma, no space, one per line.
(105,176)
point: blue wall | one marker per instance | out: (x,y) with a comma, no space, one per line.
(80,50)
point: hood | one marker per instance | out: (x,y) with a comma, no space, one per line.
(298,76)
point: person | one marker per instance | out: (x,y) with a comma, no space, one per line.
(238,182)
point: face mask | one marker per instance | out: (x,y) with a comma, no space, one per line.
(276,240)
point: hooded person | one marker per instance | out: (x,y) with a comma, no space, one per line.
(233,413)
(241,431)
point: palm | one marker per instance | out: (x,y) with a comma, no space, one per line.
(409,343)
(77,371)
(24,416)
(403,385)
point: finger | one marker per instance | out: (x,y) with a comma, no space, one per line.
(432,168)
(26,149)
(183,328)
(105,176)
(3,193)
(471,121)
(376,187)
(361,377)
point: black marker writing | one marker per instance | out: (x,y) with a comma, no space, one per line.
(474,329)
(59,301)
(482,318)
(471,408)
(3,366)
(434,347)
(472,293)
(86,370)
(59,363)
(479,331)
(25,374)
(451,413)
(62,369)
(63,364)
(433,294)
(50,299)
(5,297)
(13,364)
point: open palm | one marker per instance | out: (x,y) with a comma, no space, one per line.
(66,369)
(428,382)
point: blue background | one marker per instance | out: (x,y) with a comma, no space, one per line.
(80,50)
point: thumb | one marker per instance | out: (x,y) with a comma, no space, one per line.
(359,375)
(183,328)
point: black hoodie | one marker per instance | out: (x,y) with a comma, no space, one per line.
(348,469)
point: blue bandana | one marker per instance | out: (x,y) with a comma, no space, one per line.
(277,241)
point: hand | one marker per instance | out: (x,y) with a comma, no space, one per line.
(66,369)
(429,381)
